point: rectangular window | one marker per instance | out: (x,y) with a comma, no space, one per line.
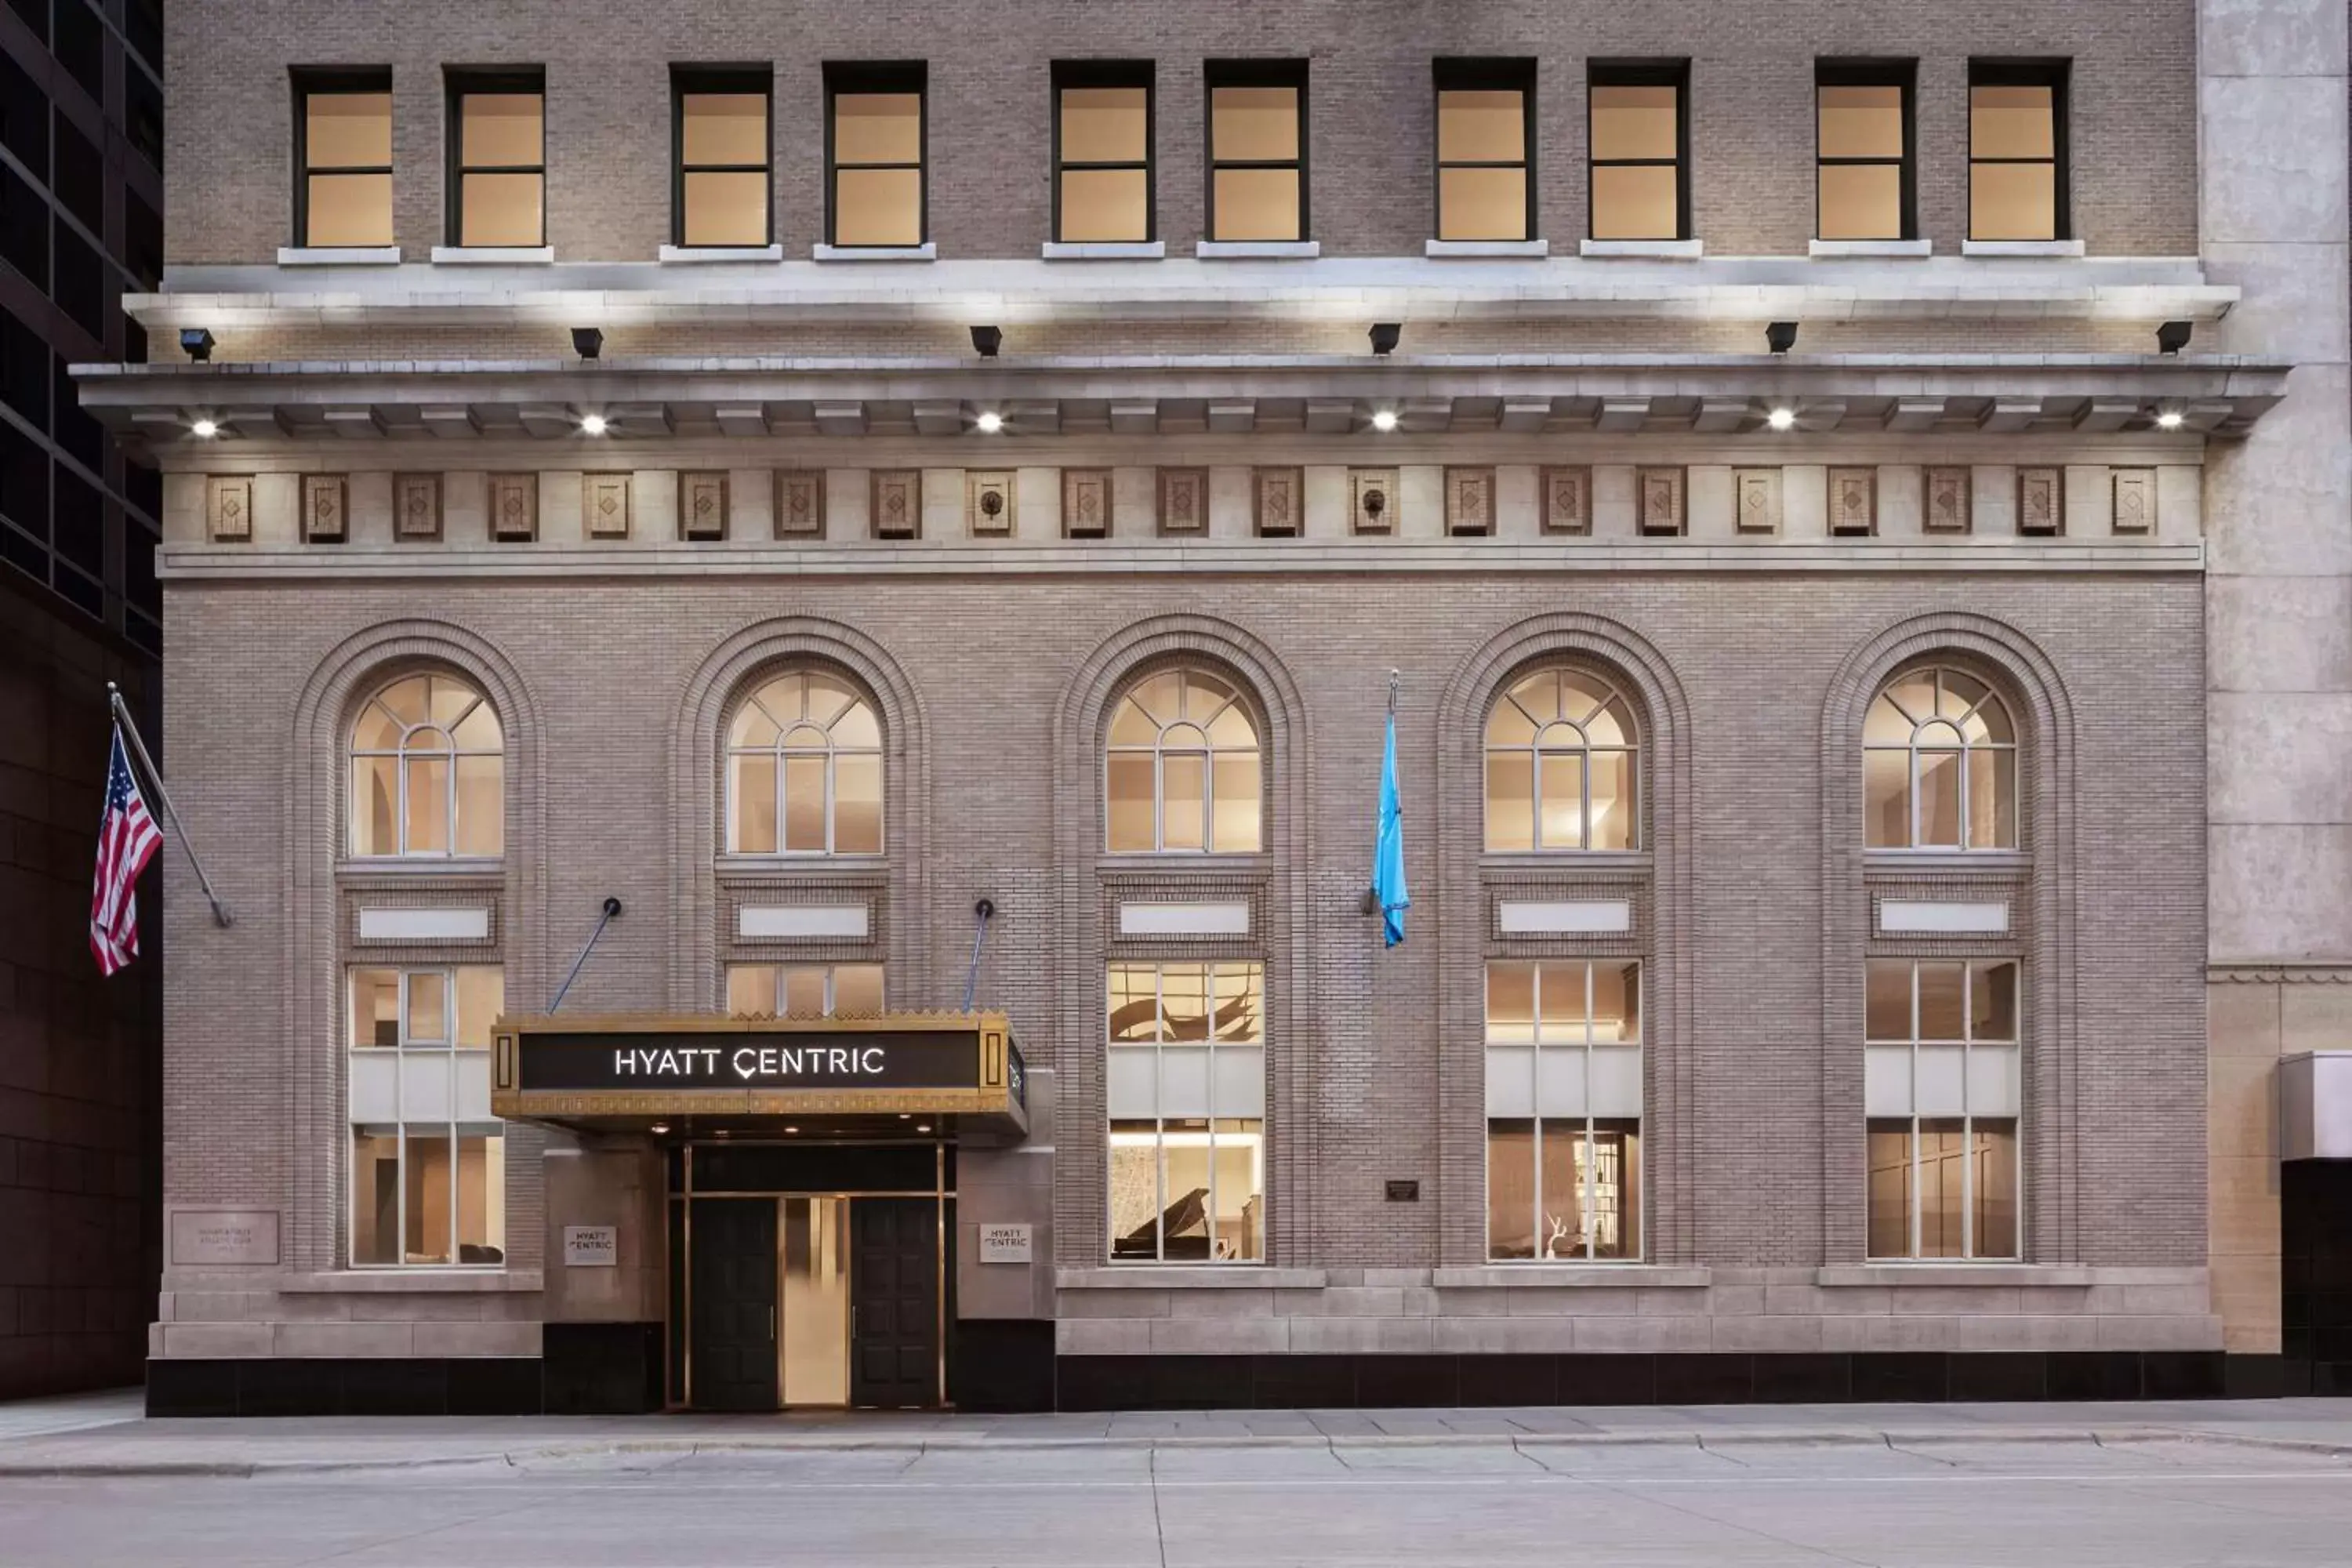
(1941,1088)
(1641,150)
(725,170)
(342,158)
(1186,1094)
(497,156)
(2017,150)
(1102,150)
(874,148)
(1257,150)
(803,990)
(428,1160)
(1865,185)
(1564,1111)
(1485,150)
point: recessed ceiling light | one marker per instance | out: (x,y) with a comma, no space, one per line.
(1782,418)
(659,1127)
(922,1127)
(1384,419)
(205,429)
(792,1129)
(990,422)
(906,1116)
(592,424)
(2170,419)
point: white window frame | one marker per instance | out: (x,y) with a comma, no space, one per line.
(403,753)
(1581,1047)
(1967,1042)
(831,753)
(1584,749)
(1965,748)
(1209,751)
(830,969)
(1159,1119)
(454,1055)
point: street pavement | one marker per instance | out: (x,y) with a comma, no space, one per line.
(2135,1486)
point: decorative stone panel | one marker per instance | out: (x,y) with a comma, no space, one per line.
(514,507)
(1950,500)
(1854,501)
(770,892)
(1470,500)
(897,510)
(1125,940)
(1183,500)
(228,508)
(326,509)
(2041,500)
(1567,500)
(387,920)
(1658,496)
(1756,500)
(1279,496)
(1518,891)
(2134,500)
(416,507)
(605,506)
(702,505)
(1085,503)
(1372,501)
(988,495)
(800,502)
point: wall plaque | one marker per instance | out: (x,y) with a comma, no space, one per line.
(2134,500)
(326,507)
(989,498)
(2041,501)
(1280,496)
(1756,494)
(604,505)
(592,1247)
(1658,492)
(1085,503)
(1469,500)
(224,1236)
(1183,500)
(702,505)
(228,508)
(1567,500)
(416,506)
(1853,501)
(800,502)
(1948,501)
(514,507)
(898,508)
(1004,1243)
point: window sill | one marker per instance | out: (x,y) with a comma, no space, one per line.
(1823,249)
(739,865)
(416,1281)
(925,252)
(1104,250)
(494,256)
(1487,249)
(1990,1276)
(1556,1276)
(420,866)
(1643,249)
(1257,249)
(2018,248)
(1570,860)
(339,256)
(1992,862)
(1190,1276)
(1184,862)
(712,253)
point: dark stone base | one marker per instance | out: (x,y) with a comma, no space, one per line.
(1002,1365)
(500,1385)
(602,1369)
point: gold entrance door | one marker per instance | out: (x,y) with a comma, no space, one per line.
(812,1271)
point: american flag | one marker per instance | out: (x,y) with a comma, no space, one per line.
(127,839)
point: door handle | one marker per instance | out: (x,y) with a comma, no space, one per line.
(771,1323)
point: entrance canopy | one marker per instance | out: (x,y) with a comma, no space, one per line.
(623,1072)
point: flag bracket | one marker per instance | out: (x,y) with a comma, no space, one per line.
(129,726)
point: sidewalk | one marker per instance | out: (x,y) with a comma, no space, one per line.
(106,1436)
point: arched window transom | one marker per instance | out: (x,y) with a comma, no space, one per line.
(1562,765)
(1184,768)
(1939,764)
(428,771)
(805,770)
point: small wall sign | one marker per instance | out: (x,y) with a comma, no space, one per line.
(1004,1243)
(592,1247)
(1404,1192)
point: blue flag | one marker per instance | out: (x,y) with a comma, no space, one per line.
(1388,858)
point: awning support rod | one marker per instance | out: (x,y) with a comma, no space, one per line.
(611,907)
(984,908)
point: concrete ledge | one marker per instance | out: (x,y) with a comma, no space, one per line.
(1104,250)
(393,1281)
(1572,1275)
(1990,1275)
(1258,249)
(927,252)
(494,256)
(1643,249)
(1889,248)
(339,256)
(1206,1277)
(675,255)
(1488,249)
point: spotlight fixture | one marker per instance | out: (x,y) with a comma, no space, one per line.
(1780,336)
(986,341)
(592,424)
(922,1127)
(1384,336)
(2171,337)
(906,1116)
(196,343)
(587,342)
(1782,417)
(658,1128)
(204,429)
(1383,420)
(990,422)
(2170,420)
(788,1129)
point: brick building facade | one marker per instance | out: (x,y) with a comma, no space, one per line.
(1829,771)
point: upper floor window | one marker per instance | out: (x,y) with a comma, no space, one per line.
(342,158)
(497,157)
(428,1160)
(724,162)
(1562,765)
(1940,1084)
(1641,150)
(2017,150)
(1864,182)
(873,151)
(1183,771)
(805,770)
(1257,150)
(1102,150)
(1485,150)
(805,990)
(1939,764)
(428,771)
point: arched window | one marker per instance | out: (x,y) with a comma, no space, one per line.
(1939,764)
(428,771)
(1183,772)
(1562,765)
(805,770)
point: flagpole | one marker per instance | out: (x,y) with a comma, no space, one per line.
(130,728)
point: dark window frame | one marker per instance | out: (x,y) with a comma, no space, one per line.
(1902,74)
(2057,74)
(457,84)
(308,82)
(1067,74)
(1285,72)
(1481,74)
(695,80)
(855,79)
(1675,74)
